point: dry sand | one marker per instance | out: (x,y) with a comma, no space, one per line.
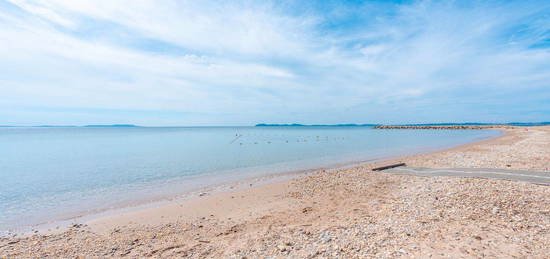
(339,213)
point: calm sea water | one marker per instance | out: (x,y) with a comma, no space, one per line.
(51,173)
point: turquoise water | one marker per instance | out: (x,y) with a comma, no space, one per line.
(51,173)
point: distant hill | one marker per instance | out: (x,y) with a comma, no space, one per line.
(54,126)
(111,126)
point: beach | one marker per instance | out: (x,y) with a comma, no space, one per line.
(349,213)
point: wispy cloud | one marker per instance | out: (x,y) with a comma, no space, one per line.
(241,62)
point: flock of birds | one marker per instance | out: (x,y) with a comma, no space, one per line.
(285,139)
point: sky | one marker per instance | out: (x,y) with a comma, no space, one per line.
(198,63)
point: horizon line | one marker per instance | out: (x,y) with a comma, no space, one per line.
(265,125)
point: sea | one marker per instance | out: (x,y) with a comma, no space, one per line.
(51,174)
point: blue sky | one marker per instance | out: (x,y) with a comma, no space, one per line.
(171,62)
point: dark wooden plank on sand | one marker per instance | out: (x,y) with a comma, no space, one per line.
(388,167)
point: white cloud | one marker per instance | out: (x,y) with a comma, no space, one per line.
(70,71)
(243,57)
(43,12)
(216,26)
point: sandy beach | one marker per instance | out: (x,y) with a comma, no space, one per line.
(346,213)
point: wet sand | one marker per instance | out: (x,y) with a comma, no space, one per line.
(352,212)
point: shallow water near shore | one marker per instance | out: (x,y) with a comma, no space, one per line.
(53,173)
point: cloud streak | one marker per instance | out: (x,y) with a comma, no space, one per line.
(242,62)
